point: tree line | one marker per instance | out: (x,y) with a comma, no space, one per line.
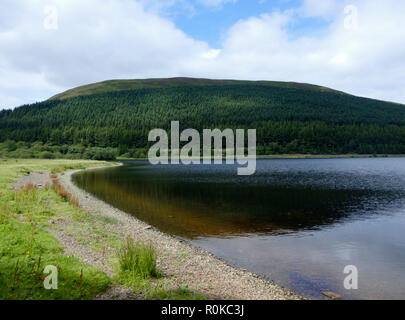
(288,120)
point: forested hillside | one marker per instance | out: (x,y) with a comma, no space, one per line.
(120,85)
(289,118)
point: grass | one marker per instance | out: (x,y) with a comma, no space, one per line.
(137,269)
(137,261)
(26,248)
(107,220)
(182,293)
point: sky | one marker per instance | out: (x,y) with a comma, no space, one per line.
(46,47)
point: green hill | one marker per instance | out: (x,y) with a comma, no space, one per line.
(115,117)
(119,85)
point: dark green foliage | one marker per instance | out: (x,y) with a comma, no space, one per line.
(48,151)
(287,119)
(98,154)
(119,85)
(46,155)
(10,145)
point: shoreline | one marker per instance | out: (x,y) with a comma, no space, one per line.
(182,262)
(297,156)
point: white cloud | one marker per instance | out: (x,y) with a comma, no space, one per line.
(122,39)
(366,61)
(215,3)
(117,39)
(169,8)
(316,8)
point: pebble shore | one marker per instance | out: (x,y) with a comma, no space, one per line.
(182,263)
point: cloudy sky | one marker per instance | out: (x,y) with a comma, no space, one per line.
(48,46)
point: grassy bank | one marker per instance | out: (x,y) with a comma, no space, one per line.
(26,248)
(28,216)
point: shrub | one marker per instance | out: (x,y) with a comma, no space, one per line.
(126,155)
(76,149)
(99,154)
(21,144)
(46,155)
(139,153)
(10,145)
(73,156)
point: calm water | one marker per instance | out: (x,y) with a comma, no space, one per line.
(297,222)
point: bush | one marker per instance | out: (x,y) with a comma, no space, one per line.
(46,155)
(11,149)
(99,154)
(10,145)
(73,156)
(37,147)
(138,260)
(125,155)
(139,153)
(76,149)
(21,144)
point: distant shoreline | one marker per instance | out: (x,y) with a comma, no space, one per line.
(332,156)
(303,156)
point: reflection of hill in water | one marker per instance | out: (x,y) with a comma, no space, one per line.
(192,202)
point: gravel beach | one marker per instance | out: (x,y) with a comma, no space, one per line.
(182,263)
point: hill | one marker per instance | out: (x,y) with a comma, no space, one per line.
(120,85)
(117,116)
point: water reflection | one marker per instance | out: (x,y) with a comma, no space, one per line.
(211,201)
(297,222)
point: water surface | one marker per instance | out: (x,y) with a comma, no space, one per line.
(298,222)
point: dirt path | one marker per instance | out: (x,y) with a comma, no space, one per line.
(183,264)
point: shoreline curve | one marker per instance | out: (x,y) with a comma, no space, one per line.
(182,262)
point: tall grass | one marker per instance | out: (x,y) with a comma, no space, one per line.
(60,190)
(74,202)
(3,214)
(138,260)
